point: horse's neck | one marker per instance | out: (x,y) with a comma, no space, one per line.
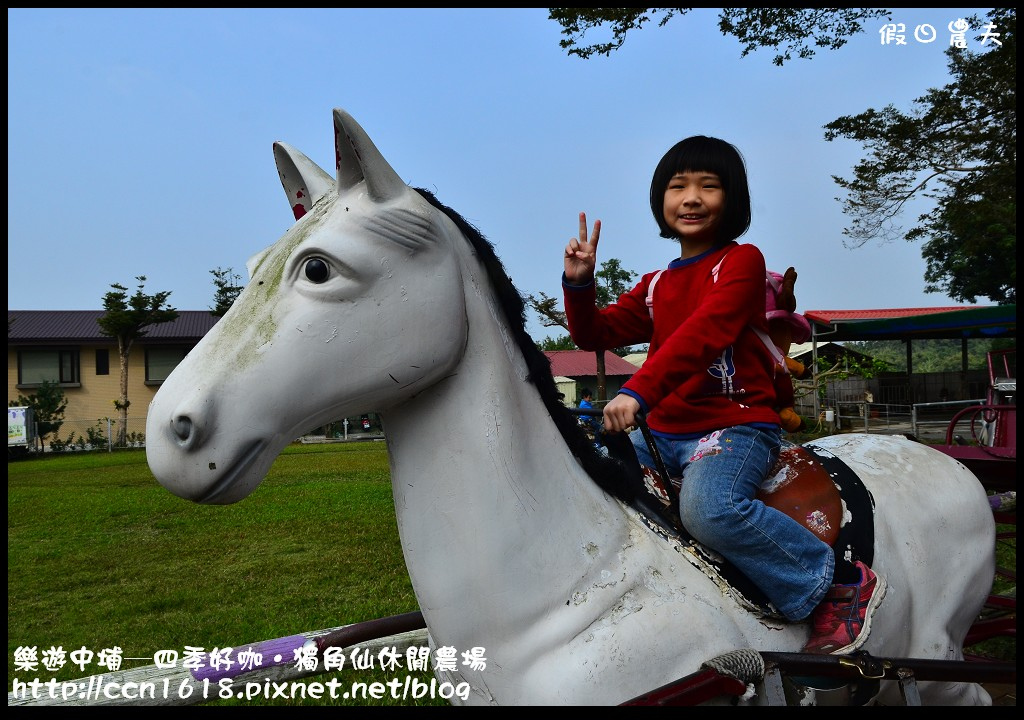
(486,490)
(482,440)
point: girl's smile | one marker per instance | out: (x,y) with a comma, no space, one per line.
(693,207)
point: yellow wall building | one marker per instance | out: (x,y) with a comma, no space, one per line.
(66,346)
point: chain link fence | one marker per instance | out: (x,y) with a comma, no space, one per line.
(105,434)
(927,422)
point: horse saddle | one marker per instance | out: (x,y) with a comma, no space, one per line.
(816,489)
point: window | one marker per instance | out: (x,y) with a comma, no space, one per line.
(160,361)
(53,364)
(102,362)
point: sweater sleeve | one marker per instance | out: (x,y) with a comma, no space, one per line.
(627,322)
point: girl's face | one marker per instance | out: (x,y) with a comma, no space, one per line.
(694,203)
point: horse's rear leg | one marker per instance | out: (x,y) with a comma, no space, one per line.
(937,693)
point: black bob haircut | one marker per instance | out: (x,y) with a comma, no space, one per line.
(707,154)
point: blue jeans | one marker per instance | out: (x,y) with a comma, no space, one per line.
(722,473)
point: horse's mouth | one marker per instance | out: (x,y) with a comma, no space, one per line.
(234,476)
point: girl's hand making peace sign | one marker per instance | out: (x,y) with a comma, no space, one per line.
(581,254)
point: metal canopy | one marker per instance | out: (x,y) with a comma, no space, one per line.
(908,324)
(942,323)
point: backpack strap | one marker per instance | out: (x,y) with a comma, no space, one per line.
(775,352)
(650,293)
(780,361)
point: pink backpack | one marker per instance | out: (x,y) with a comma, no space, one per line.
(780,303)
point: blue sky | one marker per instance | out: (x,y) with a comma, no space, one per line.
(139,141)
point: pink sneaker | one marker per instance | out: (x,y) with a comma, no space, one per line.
(842,622)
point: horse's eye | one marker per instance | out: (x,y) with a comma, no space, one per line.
(317,270)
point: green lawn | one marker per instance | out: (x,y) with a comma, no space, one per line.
(100,555)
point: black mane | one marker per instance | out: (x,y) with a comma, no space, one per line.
(606,472)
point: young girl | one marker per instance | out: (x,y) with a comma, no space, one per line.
(707,391)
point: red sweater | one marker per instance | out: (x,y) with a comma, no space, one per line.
(706,368)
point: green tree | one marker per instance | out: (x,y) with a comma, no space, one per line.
(48,405)
(547,309)
(611,281)
(562,342)
(127,319)
(930,355)
(228,286)
(958,147)
(787,30)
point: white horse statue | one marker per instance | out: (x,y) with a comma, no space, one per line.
(517,538)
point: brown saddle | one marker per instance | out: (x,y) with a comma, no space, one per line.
(798,485)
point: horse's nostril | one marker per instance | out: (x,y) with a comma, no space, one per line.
(182,427)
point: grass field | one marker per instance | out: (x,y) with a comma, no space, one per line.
(100,555)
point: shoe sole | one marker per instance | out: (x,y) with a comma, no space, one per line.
(865,630)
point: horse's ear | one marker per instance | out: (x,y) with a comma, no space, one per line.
(304,182)
(254,262)
(359,159)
